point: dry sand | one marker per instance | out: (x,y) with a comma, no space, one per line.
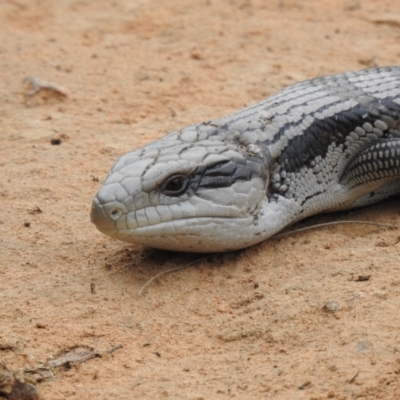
(287,319)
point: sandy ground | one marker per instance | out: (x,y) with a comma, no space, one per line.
(287,319)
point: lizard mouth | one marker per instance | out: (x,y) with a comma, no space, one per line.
(114,217)
(197,234)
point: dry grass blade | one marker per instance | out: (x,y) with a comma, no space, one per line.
(173,270)
(334,223)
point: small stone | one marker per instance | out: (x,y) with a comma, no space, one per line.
(305,385)
(23,391)
(363,278)
(352,5)
(331,306)
(364,346)
(196,55)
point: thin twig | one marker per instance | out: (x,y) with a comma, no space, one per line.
(114,348)
(174,270)
(354,377)
(335,223)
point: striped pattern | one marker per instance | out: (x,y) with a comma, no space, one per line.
(330,143)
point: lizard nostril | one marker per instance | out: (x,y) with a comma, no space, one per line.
(115,213)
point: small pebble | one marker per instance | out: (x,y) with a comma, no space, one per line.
(364,346)
(55,141)
(363,278)
(23,391)
(304,385)
(331,306)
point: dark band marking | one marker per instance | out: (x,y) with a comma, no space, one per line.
(316,139)
(224,175)
(310,197)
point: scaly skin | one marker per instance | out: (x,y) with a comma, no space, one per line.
(331,143)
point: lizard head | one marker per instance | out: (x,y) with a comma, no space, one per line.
(185,194)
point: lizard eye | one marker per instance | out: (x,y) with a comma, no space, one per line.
(175,185)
